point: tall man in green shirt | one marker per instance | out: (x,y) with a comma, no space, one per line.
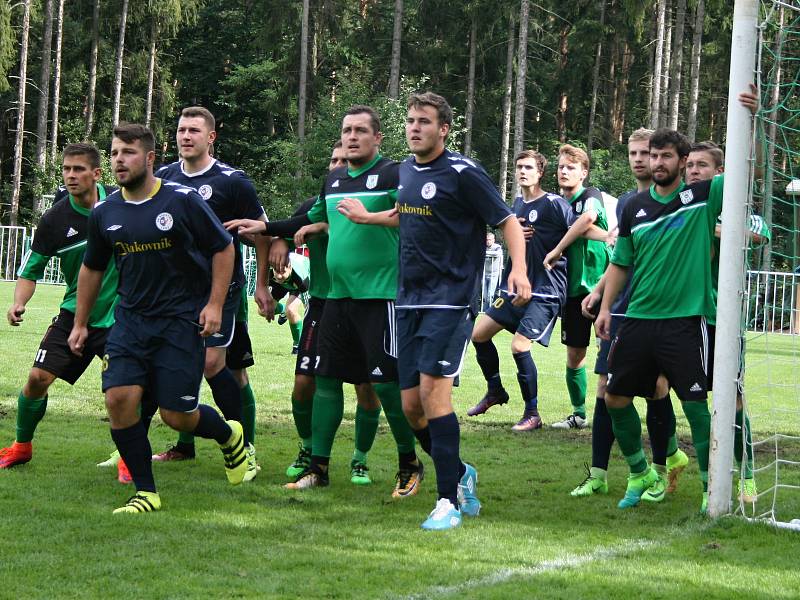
(61,232)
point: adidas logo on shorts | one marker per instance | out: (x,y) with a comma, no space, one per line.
(696,388)
(377,371)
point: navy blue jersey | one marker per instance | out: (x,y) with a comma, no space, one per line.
(551,216)
(621,303)
(162,247)
(444,208)
(228,192)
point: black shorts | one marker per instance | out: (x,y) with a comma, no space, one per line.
(357,341)
(432,341)
(224,337)
(645,348)
(534,320)
(603,346)
(54,355)
(165,356)
(576,330)
(240,352)
(308,348)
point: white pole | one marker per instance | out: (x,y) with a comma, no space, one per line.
(731,274)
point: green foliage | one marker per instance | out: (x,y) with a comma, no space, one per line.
(7,45)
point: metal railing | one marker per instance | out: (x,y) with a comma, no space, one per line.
(771,299)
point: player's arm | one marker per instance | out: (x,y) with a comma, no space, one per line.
(309,231)
(353,209)
(23,292)
(282,228)
(591,303)
(221,271)
(595,233)
(615,278)
(576,230)
(32,269)
(262,295)
(518,282)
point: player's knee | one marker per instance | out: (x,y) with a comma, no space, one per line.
(215,362)
(662,387)
(614,401)
(179,420)
(602,383)
(38,383)
(366,397)
(303,388)
(520,344)
(575,357)
(240,375)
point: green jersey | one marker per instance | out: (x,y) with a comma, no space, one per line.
(586,259)
(668,240)
(362,260)
(317,257)
(62,232)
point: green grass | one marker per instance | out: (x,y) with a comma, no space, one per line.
(59,539)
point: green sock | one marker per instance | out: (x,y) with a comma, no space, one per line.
(366,428)
(280,308)
(29,412)
(301,411)
(576,386)
(628,431)
(700,423)
(738,447)
(326,414)
(296,329)
(389,395)
(598,473)
(248,413)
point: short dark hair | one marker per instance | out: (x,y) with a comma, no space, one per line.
(360,109)
(541,161)
(715,151)
(664,137)
(203,113)
(91,153)
(337,144)
(443,111)
(130,132)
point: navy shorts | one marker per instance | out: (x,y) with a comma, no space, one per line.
(164,355)
(535,320)
(603,346)
(240,352)
(432,341)
(224,337)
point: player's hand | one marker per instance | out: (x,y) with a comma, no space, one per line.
(279,254)
(308,231)
(750,99)
(527,230)
(519,288)
(602,324)
(265,302)
(590,304)
(353,209)
(210,320)
(77,339)
(611,238)
(551,259)
(14,314)
(246,226)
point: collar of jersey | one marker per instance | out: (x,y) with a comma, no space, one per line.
(150,195)
(201,171)
(532,200)
(577,195)
(101,195)
(365,168)
(666,199)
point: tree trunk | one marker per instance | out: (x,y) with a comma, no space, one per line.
(676,65)
(663,112)
(655,107)
(44,93)
(151,71)
(397,32)
(694,85)
(90,97)
(19,139)
(621,94)
(473,42)
(57,81)
(522,67)
(301,109)
(561,111)
(509,83)
(123,20)
(596,79)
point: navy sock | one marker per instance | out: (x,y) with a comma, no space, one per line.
(489,362)
(211,426)
(134,448)
(445,437)
(602,435)
(527,376)
(226,394)
(659,416)
(424,438)
(149,409)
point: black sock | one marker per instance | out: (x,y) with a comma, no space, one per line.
(489,362)
(602,435)
(211,426)
(407,460)
(659,416)
(226,394)
(134,448)
(527,376)
(319,464)
(149,409)
(445,438)
(424,438)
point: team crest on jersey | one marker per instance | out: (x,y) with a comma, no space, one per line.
(686,196)
(205,191)
(164,221)
(372,181)
(428,190)
(532,216)
(579,206)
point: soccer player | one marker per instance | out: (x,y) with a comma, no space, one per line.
(444,204)
(357,340)
(492,270)
(61,232)
(288,288)
(230,195)
(545,219)
(665,235)
(586,262)
(668,460)
(175,262)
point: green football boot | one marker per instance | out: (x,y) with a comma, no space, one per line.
(637,485)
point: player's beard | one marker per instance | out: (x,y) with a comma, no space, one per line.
(666,180)
(135,179)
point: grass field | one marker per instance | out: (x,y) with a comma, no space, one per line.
(59,539)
